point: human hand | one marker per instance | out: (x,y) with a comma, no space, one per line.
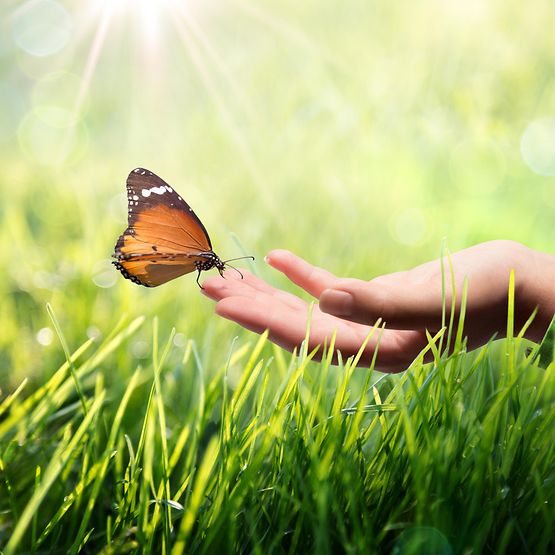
(409,302)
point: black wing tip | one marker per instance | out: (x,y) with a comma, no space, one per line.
(141,171)
(126,274)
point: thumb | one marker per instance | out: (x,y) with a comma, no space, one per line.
(400,304)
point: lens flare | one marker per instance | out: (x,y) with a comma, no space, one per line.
(537,146)
(41,27)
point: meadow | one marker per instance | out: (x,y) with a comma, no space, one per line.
(363,137)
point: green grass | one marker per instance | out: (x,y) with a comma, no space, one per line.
(450,457)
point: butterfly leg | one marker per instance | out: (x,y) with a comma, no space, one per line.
(198,277)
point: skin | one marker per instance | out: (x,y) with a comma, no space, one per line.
(409,302)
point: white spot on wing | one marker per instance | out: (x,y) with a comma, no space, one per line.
(138,170)
(146,192)
(158,190)
(135,197)
(169,189)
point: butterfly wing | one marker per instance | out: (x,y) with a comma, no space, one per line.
(164,238)
(151,271)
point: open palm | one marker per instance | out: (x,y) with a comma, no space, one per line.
(408,302)
(258,306)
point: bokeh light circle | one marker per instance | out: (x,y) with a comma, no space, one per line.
(410,227)
(45,138)
(54,96)
(179,340)
(140,349)
(94,333)
(13,108)
(41,27)
(45,336)
(537,146)
(104,274)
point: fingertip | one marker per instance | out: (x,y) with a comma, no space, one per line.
(220,309)
(277,256)
(212,284)
(204,292)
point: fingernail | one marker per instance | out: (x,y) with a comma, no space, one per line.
(273,255)
(337,302)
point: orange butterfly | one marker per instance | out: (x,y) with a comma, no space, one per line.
(164,238)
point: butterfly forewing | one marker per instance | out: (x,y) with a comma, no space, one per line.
(164,238)
(153,203)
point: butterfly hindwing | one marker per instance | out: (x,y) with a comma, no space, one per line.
(155,270)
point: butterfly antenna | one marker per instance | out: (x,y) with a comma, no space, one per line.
(233,259)
(234,268)
(239,258)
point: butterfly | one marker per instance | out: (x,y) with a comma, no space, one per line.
(164,238)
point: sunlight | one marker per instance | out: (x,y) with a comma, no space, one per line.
(184,28)
(150,24)
(149,15)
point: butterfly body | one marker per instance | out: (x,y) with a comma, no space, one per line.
(164,239)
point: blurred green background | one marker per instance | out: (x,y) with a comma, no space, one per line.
(358,134)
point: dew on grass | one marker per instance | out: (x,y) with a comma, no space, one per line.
(45,336)
(179,340)
(93,333)
(140,349)
(422,540)
(537,146)
(41,27)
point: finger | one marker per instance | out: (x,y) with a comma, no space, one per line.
(311,278)
(287,328)
(390,298)
(251,286)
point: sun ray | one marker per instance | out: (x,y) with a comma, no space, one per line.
(215,58)
(288,30)
(256,175)
(92,58)
(91,62)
